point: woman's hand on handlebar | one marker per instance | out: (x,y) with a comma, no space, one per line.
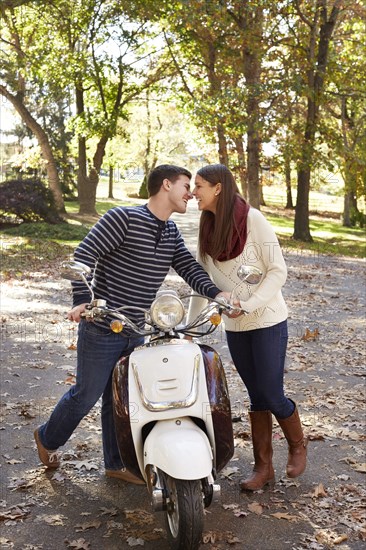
(234,303)
(236,312)
(75,313)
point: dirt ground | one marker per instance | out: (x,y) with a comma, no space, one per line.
(77,507)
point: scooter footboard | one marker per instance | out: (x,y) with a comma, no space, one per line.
(179,448)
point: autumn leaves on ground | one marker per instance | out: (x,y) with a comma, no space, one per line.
(77,507)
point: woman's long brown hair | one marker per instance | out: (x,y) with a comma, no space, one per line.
(216,230)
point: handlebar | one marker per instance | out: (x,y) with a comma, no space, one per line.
(101,311)
(98,310)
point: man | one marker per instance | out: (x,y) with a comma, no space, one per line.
(130,251)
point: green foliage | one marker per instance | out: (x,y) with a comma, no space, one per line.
(200,55)
(358,219)
(28,200)
(65,233)
(143,193)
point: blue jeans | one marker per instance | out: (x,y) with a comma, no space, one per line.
(98,350)
(259,357)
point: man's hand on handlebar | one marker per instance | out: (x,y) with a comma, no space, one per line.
(75,313)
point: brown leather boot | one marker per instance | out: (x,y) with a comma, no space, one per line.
(297,444)
(263,473)
(125,475)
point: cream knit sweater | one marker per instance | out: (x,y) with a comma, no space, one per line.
(263,302)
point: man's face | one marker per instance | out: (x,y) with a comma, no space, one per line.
(180,194)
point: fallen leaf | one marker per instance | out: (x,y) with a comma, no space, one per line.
(58,476)
(88,525)
(283,515)
(14,513)
(79,464)
(6,543)
(109,511)
(56,519)
(256,508)
(319,491)
(231,539)
(240,513)
(330,538)
(229,472)
(79,544)
(131,541)
(21,484)
(140,517)
(359,467)
(310,335)
(230,506)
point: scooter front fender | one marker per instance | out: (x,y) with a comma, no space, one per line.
(179,448)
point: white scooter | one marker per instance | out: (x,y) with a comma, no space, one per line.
(171,406)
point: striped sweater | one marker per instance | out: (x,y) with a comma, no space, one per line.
(130,252)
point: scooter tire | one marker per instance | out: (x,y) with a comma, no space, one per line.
(184,516)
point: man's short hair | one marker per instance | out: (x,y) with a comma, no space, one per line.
(158,175)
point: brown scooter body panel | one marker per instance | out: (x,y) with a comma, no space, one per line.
(218,394)
(121,413)
(219,406)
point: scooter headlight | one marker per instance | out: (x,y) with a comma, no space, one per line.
(167,310)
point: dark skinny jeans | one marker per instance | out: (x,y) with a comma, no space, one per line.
(259,357)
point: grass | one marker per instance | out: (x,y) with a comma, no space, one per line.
(329,236)
(31,246)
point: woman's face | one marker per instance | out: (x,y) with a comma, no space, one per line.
(206,194)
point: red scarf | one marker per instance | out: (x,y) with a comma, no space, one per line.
(241,209)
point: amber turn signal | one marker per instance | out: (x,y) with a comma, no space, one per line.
(116,326)
(215,319)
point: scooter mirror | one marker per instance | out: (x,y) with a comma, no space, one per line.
(74,271)
(249,274)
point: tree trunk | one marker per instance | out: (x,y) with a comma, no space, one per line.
(87,184)
(261,196)
(318,49)
(110,182)
(43,141)
(249,19)
(242,166)
(253,161)
(350,208)
(215,92)
(252,69)
(347,210)
(301,223)
(301,226)
(223,154)
(99,153)
(289,202)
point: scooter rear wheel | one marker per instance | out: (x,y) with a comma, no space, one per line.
(184,515)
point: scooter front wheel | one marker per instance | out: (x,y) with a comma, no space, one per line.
(184,515)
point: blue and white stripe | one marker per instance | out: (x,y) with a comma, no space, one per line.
(130,252)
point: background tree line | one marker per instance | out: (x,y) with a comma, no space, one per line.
(85,76)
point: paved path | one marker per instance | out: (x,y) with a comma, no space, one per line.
(77,507)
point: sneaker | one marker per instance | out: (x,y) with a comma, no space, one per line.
(125,475)
(48,458)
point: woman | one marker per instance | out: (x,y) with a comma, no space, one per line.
(232,233)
